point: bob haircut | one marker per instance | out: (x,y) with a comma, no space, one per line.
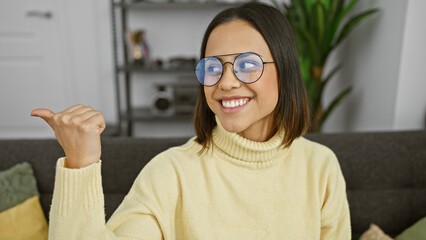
(292,111)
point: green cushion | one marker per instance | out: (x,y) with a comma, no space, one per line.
(415,232)
(17,184)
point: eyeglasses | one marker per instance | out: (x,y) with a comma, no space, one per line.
(248,68)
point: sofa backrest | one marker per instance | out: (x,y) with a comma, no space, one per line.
(385,172)
(385,175)
(122,160)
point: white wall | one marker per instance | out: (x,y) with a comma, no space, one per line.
(104,55)
(410,102)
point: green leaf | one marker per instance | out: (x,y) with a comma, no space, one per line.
(334,103)
(313,53)
(300,12)
(353,22)
(292,20)
(314,94)
(335,7)
(336,23)
(348,7)
(320,19)
(308,4)
(292,15)
(326,3)
(331,74)
(305,65)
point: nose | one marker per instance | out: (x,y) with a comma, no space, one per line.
(229,81)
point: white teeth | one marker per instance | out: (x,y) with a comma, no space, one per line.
(234,103)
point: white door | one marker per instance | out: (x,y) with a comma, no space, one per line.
(32,66)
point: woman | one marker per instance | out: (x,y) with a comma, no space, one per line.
(246,175)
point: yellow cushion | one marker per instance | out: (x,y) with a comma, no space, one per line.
(24,221)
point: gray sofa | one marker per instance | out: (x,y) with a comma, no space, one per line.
(385,172)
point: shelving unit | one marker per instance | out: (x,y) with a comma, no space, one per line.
(124,69)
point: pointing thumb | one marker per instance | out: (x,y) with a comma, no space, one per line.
(44,113)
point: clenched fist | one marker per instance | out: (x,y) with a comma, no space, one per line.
(78,130)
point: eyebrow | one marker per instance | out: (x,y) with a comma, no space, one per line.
(230,54)
(224,55)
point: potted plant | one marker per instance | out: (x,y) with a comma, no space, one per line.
(319,29)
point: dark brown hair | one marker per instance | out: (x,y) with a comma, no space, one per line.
(292,111)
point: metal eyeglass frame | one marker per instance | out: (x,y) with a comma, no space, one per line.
(232,63)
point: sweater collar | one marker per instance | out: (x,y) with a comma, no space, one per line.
(246,150)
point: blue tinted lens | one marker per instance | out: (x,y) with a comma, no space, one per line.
(208,71)
(248,67)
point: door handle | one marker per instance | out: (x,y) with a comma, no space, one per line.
(41,14)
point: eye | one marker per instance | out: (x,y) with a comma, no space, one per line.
(248,66)
(214,69)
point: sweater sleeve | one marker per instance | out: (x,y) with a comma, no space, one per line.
(77,210)
(335,217)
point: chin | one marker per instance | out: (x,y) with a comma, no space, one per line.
(232,126)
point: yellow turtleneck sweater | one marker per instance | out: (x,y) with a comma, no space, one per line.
(239,190)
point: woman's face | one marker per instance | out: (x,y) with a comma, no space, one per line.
(253,119)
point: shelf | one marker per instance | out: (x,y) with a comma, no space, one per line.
(145,114)
(174,5)
(181,70)
(142,69)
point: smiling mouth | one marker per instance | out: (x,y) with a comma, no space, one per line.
(234,102)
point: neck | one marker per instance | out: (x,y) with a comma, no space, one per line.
(260,131)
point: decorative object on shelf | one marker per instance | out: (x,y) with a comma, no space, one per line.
(174,98)
(139,50)
(162,103)
(157,63)
(182,63)
(318,29)
(185,95)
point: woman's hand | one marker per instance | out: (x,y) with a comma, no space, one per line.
(78,130)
